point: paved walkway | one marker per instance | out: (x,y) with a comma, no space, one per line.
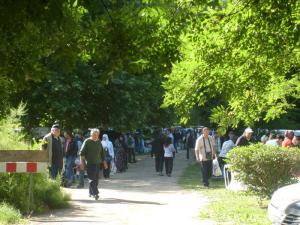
(136,197)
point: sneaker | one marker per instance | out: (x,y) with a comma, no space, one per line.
(96,197)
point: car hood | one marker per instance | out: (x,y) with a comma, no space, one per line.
(285,196)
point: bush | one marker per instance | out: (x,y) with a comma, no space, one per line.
(14,187)
(9,215)
(12,137)
(264,168)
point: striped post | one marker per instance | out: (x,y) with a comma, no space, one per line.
(24,161)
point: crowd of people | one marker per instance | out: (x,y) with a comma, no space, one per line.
(75,157)
(209,146)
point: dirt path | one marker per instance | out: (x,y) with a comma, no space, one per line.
(136,197)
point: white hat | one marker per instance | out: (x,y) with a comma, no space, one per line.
(248,130)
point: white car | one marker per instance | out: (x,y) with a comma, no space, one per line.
(284,207)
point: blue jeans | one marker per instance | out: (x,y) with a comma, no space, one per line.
(69,168)
(54,171)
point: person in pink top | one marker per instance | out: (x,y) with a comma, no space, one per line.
(288,139)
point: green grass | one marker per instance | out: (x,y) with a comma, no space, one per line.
(9,215)
(225,206)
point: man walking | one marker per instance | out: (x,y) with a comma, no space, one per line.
(93,154)
(205,153)
(158,151)
(53,144)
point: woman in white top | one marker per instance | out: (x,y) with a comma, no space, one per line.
(109,155)
(169,152)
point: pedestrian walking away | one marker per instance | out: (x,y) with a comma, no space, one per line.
(93,154)
(190,144)
(169,153)
(157,150)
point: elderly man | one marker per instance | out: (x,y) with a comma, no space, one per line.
(246,138)
(93,154)
(205,153)
(53,143)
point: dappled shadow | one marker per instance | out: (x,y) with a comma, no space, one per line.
(117,201)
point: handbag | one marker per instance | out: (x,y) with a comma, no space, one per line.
(207,154)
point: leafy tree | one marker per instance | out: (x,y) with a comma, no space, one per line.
(245,53)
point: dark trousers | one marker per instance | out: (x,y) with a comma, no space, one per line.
(206,169)
(169,164)
(187,153)
(81,178)
(55,170)
(93,176)
(131,155)
(106,172)
(188,150)
(159,163)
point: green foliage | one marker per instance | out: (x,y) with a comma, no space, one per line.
(102,67)
(9,215)
(263,168)
(12,137)
(14,187)
(47,193)
(224,206)
(244,53)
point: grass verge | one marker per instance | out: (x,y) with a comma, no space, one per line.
(9,215)
(225,206)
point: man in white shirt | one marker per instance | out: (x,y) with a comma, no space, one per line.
(205,153)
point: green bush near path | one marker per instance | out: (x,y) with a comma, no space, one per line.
(9,215)
(225,206)
(47,193)
(264,168)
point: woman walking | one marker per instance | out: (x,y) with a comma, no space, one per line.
(169,153)
(109,155)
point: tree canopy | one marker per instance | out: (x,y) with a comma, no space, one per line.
(115,63)
(244,53)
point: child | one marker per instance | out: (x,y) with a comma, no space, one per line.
(169,153)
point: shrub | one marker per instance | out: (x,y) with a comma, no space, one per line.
(12,137)
(264,168)
(9,215)
(14,187)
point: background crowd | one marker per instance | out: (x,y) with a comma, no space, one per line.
(121,148)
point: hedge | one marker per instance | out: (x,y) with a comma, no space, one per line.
(264,168)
